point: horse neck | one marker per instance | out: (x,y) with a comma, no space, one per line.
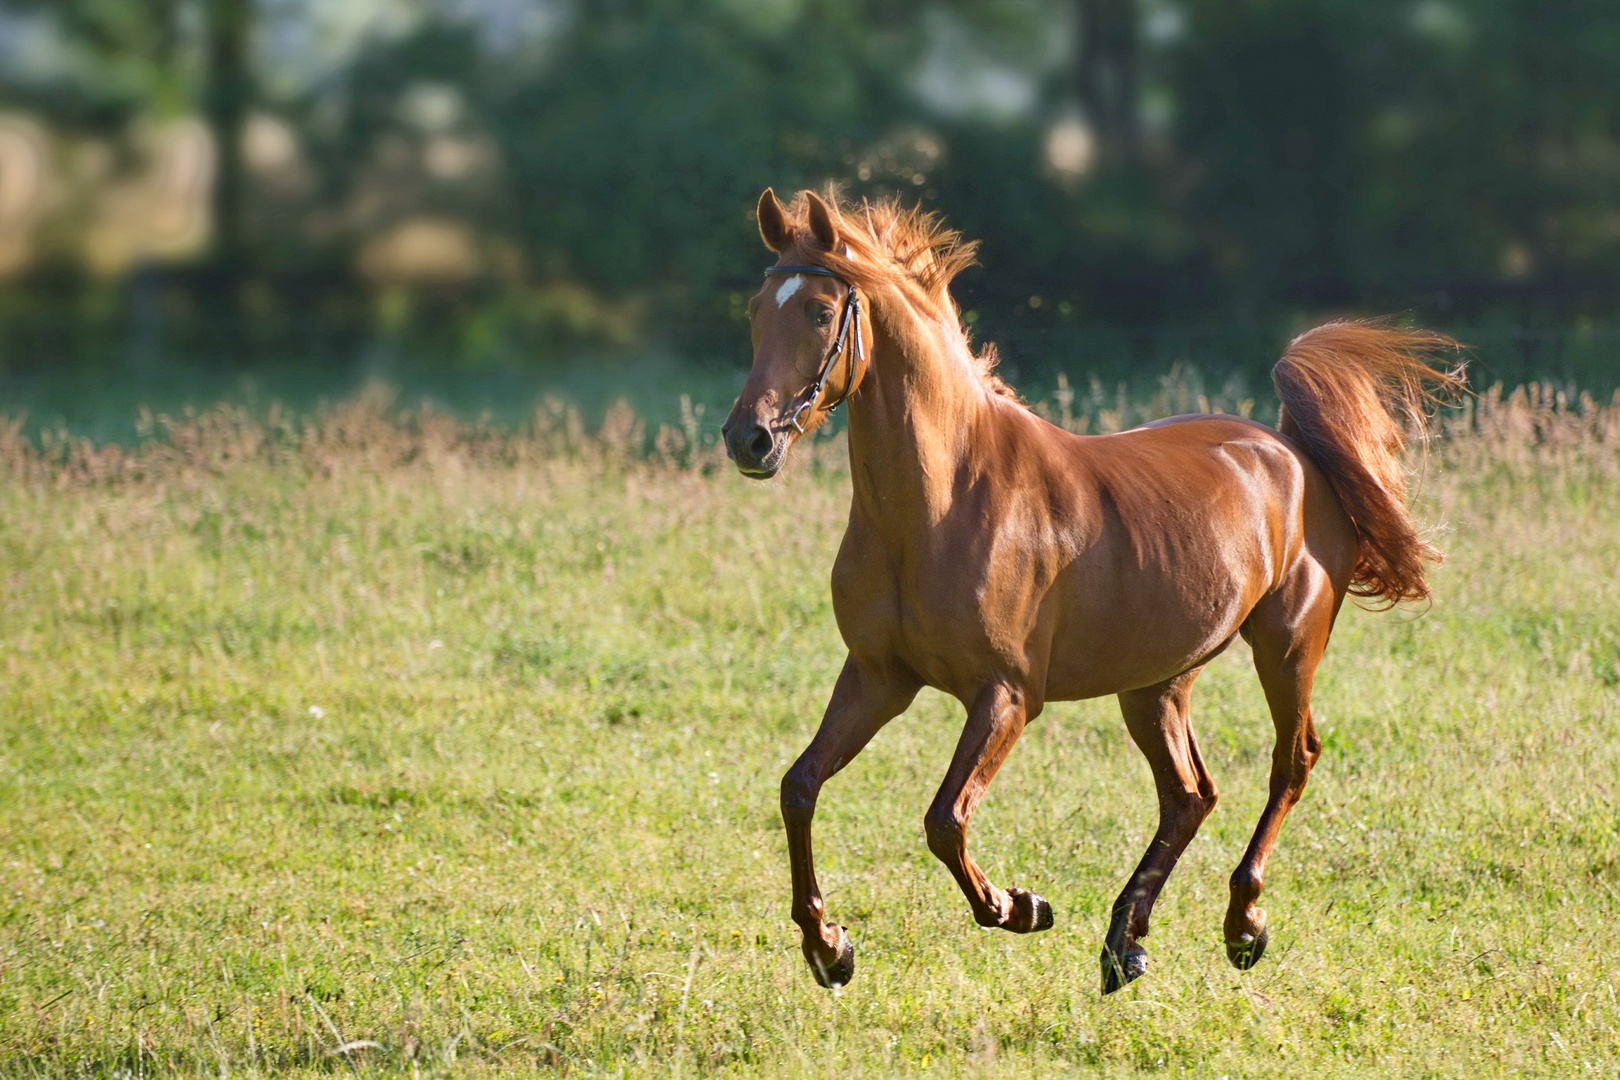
(911,426)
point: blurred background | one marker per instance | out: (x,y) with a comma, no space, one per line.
(487,200)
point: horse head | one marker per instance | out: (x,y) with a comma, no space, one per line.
(809,343)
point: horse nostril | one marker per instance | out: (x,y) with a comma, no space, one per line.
(760,444)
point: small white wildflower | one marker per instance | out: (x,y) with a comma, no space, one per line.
(317,712)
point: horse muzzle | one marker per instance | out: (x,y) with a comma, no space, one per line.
(755,449)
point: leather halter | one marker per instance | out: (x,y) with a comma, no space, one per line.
(850,319)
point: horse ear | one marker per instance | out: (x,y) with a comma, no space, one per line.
(821,223)
(773,227)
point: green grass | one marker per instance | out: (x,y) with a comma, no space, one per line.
(461,751)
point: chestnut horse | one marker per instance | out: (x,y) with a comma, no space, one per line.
(1009,563)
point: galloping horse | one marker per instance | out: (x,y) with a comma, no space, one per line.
(1009,563)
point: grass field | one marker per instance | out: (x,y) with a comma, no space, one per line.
(378,746)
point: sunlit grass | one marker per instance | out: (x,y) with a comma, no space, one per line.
(350,744)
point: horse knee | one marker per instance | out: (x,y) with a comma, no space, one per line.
(1190,808)
(946,832)
(799,791)
(1289,774)
(1182,812)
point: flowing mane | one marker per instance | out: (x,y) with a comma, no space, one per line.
(905,248)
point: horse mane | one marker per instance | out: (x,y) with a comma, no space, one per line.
(901,247)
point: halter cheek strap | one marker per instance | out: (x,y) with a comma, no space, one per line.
(849,321)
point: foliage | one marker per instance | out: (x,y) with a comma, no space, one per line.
(1453,158)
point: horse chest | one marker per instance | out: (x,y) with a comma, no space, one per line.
(944,614)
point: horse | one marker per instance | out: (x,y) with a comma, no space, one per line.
(1006,562)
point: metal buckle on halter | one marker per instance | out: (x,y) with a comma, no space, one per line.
(800,411)
(851,317)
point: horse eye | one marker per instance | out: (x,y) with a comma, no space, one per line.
(823,317)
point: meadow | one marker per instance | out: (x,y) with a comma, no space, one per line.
(376,743)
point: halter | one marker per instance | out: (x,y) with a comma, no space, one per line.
(857,353)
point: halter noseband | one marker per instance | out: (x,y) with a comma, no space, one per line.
(857,353)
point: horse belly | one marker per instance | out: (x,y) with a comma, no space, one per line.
(1112,664)
(1142,629)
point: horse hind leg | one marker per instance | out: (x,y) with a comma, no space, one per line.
(995,720)
(1289,633)
(1158,718)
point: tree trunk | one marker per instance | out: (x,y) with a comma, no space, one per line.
(1108,76)
(230,88)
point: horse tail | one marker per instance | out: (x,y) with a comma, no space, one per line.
(1351,392)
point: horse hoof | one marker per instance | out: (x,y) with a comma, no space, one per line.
(841,970)
(1247,952)
(1116,972)
(1030,913)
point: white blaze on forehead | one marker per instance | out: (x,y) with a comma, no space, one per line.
(789,287)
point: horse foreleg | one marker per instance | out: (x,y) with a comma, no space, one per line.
(860,705)
(995,720)
(1158,720)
